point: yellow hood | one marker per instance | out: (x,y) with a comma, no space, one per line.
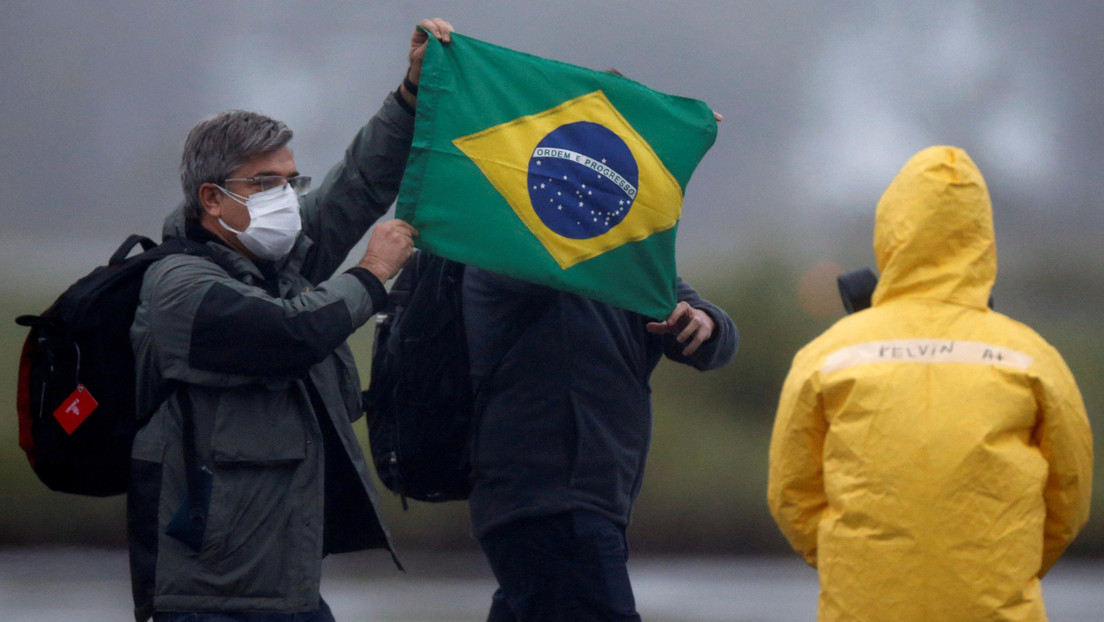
(933,231)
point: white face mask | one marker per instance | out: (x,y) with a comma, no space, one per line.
(274,222)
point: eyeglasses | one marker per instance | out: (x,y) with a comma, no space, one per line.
(299,183)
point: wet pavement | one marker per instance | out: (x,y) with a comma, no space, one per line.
(92,586)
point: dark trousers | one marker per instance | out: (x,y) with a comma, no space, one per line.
(568,567)
(322,614)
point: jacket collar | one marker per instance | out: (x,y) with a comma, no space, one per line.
(177,226)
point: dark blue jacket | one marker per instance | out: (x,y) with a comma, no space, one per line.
(565,417)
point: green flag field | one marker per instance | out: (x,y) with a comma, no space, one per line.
(552,173)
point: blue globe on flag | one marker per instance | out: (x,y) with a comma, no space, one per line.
(582,180)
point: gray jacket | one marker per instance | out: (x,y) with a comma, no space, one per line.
(253,357)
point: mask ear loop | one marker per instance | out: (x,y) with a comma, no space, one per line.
(229,228)
(233,195)
(237,197)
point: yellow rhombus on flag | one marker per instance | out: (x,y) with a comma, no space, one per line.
(579,177)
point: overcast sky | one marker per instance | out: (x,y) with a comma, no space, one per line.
(823,103)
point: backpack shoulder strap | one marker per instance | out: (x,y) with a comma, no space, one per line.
(175,246)
(120,254)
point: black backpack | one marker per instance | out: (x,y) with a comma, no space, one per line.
(420,401)
(76,391)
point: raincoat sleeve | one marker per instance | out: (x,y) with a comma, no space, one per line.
(1065,441)
(795,490)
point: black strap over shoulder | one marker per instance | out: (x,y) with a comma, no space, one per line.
(174,246)
(128,244)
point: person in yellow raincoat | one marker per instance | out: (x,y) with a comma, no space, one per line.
(931,457)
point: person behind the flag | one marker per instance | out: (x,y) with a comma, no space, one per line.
(931,457)
(248,472)
(564,427)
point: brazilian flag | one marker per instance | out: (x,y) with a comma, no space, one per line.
(552,173)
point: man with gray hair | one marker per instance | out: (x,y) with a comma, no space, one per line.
(248,471)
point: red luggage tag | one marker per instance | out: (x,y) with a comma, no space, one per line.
(75,409)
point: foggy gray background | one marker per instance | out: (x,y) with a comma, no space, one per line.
(823,102)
